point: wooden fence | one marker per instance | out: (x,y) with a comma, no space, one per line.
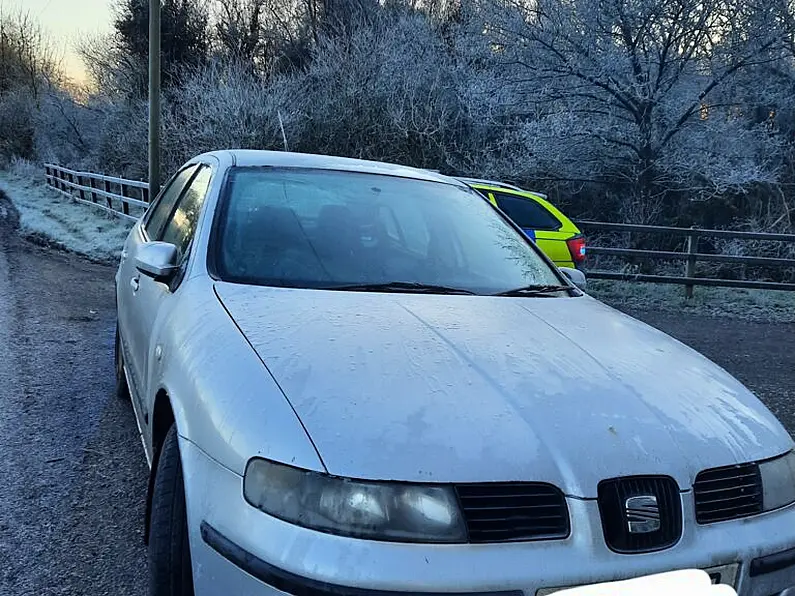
(130,198)
(124,198)
(690,256)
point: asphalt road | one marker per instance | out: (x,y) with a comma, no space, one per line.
(72,468)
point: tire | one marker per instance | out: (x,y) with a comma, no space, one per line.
(170,572)
(122,389)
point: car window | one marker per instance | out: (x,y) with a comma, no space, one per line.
(180,228)
(161,210)
(526,212)
(405,226)
(320,229)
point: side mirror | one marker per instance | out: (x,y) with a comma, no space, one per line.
(157,260)
(576,276)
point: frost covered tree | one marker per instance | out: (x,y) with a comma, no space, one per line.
(26,57)
(118,62)
(29,66)
(239,30)
(279,35)
(265,35)
(627,91)
(387,90)
(638,110)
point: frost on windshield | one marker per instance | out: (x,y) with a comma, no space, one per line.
(316,228)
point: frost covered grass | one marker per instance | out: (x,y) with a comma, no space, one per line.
(755,305)
(48,217)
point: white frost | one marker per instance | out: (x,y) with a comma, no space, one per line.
(46,214)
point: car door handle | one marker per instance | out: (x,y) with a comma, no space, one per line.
(134,283)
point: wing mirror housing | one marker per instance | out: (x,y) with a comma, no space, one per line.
(157,260)
(576,276)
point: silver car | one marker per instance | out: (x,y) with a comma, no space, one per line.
(353,378)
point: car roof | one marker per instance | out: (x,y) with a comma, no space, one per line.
(288,159)
(494,183)
(484,182)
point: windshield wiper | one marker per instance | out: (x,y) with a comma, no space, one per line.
(400,286)
(535,290)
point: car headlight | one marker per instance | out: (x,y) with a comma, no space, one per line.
(778,481)
(375,510)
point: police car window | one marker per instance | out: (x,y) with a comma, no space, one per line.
(527,213)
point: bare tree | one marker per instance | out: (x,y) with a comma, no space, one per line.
(118,61)
(27,58)
(29,67)
(640,110)
(266,36)
(239,29)
(618,82)
(388,90)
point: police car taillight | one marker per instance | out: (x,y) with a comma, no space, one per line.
(577,248)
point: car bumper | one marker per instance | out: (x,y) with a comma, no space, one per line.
(237,549)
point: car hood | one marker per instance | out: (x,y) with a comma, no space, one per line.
(439,388)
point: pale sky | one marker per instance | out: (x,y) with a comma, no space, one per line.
(66,21)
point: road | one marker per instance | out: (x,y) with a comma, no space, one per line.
(73,470)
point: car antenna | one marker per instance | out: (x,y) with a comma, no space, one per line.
(281,125)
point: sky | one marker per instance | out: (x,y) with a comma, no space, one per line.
(66,21)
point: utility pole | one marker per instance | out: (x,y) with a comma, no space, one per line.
(154,98)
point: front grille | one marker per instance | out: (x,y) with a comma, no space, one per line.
(728,493)
(620,525)
(509,512)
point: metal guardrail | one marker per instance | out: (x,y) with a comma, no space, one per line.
(690,255)
(97,190)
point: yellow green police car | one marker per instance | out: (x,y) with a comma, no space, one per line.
(545,224)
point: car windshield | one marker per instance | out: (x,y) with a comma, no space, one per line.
(310,228)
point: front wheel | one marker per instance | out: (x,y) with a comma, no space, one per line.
(122,389)
(170,571)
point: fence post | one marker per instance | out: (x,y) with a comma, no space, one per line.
(47,175)
(106,188)
(125,206)
(690,267)
(80,182)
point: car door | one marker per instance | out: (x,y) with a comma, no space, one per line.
(152,296)
(128,278)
